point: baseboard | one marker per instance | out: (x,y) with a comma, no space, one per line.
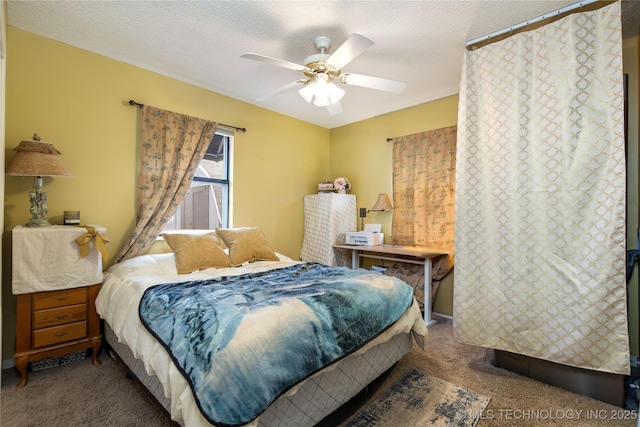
(435,315)
(603,386)
(8,364)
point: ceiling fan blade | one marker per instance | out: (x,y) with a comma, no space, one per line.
(273,61)
(280,90)
(334,109)
(350,49)
(373,82)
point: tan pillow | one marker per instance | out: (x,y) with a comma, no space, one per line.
(247,244)
(196,251)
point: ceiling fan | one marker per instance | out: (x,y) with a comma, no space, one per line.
(322,70)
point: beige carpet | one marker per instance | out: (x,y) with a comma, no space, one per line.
(80,394)
(515,399)
(77,395)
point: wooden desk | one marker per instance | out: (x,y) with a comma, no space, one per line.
(407,254)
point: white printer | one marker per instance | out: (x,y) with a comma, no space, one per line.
(371,235)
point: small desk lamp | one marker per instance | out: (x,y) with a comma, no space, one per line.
(382,204)
(38,159)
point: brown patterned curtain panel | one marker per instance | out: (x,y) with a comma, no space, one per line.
(171,146)
(424,171)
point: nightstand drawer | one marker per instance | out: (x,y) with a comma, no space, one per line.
(58,334)
(43,300)
(59,316)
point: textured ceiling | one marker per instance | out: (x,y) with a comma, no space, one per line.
(200,42)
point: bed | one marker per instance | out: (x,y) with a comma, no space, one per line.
(139,295)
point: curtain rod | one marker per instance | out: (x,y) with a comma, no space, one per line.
(554,14)
(137,104)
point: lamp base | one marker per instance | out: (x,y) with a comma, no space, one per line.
(38,206)
(38,222)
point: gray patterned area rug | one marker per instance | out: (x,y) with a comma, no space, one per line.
(421,400)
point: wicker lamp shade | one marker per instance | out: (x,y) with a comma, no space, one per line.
(35,158)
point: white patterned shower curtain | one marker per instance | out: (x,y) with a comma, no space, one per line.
(540,203)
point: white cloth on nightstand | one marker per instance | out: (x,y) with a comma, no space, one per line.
(48,259)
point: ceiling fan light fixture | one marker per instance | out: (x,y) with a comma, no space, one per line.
(335,93)
(322,91)
(321,101)
(307,91)
(321,70)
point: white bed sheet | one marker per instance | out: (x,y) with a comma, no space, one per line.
(118,300)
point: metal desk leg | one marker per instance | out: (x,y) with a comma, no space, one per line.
(355,259)
(427,293)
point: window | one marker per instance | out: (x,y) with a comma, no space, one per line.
(206,204)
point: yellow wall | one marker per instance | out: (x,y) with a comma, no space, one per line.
(77,101)
(361,153)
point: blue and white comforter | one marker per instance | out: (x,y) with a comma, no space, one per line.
(242,341)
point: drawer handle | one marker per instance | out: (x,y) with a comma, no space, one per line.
(61,298)
(62,334)
(62,316)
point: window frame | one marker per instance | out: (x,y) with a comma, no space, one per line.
(225,183)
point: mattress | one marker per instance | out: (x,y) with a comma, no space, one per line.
(304,404)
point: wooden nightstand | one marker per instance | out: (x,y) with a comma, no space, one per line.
(55,323)
(56,291)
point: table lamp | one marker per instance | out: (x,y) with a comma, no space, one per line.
(37,159)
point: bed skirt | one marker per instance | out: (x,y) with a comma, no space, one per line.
(318,397)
